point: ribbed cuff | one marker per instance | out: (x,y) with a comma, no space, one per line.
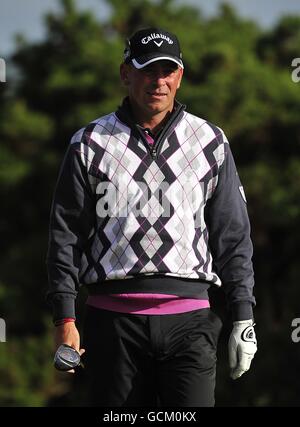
(63,308)
(61,322)
(241,311)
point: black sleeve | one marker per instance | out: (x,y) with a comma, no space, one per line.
(72,220)
(229,239)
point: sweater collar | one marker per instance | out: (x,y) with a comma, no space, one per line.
(125,113)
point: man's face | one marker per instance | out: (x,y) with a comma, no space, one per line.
(152,89)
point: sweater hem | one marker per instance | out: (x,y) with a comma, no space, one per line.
(160,284)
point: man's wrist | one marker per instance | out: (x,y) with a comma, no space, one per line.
(63,308)
(60,322)
(241,311)
(249,322)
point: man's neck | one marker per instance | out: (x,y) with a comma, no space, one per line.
(153,122)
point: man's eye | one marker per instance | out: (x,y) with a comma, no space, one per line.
(147,70)
(165,71)
(169,70)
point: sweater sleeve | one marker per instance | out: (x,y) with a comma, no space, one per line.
(72,221)
(229,239)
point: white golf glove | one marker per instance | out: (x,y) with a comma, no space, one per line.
(241,346)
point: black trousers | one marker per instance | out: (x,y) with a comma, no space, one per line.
(150,361)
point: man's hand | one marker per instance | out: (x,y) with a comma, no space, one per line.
(241,346)
(68,334)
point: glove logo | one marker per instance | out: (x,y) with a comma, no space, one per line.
(241,188)
(248,334)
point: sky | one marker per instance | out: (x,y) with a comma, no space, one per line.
(26,16)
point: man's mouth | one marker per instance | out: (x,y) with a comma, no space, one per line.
(156,94)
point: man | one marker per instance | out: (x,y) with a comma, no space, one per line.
(148,213)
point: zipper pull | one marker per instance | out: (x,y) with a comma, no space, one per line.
(153,153)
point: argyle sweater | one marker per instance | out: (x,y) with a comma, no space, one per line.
(128,217)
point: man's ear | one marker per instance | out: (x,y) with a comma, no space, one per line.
(181,74)
(124,74)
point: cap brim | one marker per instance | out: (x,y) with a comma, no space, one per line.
(146,60)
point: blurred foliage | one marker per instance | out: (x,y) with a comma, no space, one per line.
(237,76)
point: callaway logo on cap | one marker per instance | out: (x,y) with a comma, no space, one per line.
(150,45)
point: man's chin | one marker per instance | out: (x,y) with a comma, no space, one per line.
(157,107)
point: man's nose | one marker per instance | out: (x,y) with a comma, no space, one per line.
(159,77)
